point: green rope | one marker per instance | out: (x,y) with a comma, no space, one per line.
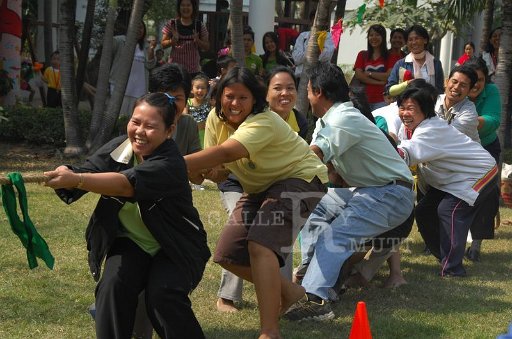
(25,230)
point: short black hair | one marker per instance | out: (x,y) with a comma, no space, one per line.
(467,71)
(195,8)
(169,77)
(244,76)
(248,30)
(224,61)
(479,64)
(330,80)
(397,30)
(423,93)
(421,31)
(281,69)
(166,107)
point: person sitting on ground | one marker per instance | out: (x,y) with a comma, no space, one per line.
(268,158)
(141,226)
(454,105)
(358,155)
(461,177)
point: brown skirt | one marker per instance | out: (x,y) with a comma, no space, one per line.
(272,219)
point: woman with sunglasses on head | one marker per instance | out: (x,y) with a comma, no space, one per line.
(144,225)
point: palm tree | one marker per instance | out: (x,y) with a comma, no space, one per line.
(67,11)
(102,85)
(503,71)
(321,23)
(48,36)
(112,113)
(237,43)
(486,29)
(84,49)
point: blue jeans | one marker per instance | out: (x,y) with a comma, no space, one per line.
(342,222)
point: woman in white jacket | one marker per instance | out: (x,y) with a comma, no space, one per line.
(459,177)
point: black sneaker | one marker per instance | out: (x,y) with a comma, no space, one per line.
(305,309)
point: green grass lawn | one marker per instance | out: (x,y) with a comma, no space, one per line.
(43,303)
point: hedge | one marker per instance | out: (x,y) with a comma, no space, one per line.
(38,125)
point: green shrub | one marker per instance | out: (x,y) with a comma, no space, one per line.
(38,125)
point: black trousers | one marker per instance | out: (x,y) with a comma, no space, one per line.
(53,98)
(444,222)
(129,270)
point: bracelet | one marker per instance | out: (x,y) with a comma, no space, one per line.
(80,181)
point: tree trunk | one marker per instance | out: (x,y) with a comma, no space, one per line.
(102,85)
(320,23)
(48,31)
(487,26)
(110,118)
(503,68)
(67,76)
(237,28)
(10,47)
(83,56)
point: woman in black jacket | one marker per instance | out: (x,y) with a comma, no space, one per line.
(145,225)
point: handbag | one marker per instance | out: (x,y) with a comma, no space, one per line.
(355,85)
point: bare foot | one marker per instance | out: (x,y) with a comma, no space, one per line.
(394,280)
(356,280)
(290,297)
(269,334)
(226,305)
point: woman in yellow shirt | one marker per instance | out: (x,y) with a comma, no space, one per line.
(282,181)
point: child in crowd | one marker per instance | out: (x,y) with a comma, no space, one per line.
(199,106)
(52,77)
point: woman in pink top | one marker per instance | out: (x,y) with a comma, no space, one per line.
(186,35)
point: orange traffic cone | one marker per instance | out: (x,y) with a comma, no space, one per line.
(360,324)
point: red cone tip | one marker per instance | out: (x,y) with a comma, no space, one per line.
(360,325)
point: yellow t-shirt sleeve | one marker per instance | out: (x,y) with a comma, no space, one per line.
(256,132)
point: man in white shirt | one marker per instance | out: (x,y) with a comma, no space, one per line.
(454,105)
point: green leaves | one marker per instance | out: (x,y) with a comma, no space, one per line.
(436,16)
